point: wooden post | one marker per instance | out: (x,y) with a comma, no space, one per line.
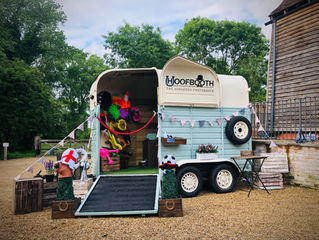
(37,145)
(5,150)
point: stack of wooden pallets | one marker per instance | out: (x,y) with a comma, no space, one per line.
(276,162)
(272,169)
(106,167)
(271,181)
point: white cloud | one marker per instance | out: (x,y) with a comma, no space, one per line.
(89,20)
(96,48)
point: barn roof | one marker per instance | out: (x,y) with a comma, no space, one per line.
(288,5)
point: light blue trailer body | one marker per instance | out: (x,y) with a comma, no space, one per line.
(197,135)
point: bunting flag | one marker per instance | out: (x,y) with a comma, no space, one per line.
(235,114)
(210,122)
(272,144)
(91,134)
(242,111)
(81,127)
(227,118)
(71,135)
(201,123)
(253,110)
(61,143)
(90,118)
(30,169)
(183,121)
(173,119)
(40,160)
(163,116)
(219,121)
(257,119)
(192,122)
(17,177)
(260,129)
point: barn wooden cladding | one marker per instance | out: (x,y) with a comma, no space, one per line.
(297,51)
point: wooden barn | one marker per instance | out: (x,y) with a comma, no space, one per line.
(293,72)
(293,63)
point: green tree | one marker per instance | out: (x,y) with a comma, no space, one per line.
(228,47)
(26,106)
(136,47)
(79,72)
(29,31)
(28,26)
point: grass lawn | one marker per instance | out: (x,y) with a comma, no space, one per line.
(14,155)
(134,170)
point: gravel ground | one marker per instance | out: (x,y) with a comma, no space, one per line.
(291,213)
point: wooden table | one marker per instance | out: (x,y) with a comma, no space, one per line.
(254,172)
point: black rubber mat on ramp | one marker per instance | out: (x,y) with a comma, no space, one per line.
(122,193)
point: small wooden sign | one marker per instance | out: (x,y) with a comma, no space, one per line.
(65,209)
(170,207)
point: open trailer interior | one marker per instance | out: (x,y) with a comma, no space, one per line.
(141,86)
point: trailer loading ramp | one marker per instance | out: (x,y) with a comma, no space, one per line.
(121,195)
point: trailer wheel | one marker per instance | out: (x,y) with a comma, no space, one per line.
(189,181)
(222,178)
(238,130)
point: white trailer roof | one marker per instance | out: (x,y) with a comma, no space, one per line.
(181,83)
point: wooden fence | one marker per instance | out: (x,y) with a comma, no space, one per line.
(44,145)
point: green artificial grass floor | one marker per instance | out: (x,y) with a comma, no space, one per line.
(134,170)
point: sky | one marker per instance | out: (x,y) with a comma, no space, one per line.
(88,20)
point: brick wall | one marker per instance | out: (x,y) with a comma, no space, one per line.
(303,160)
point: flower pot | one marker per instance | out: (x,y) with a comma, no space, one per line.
(206,156)
(49,178)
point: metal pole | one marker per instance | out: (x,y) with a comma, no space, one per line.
(273,78)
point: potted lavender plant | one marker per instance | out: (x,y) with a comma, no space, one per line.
(49,169)
(207,152)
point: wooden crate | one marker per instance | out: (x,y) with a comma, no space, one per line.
(246,153)
(106,167)
(170,207)
(271,181)
(28,195)
(81,188)
(49,193)
(64,209)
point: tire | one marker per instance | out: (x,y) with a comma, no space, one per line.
(238,130)
(189,181)
(222,178)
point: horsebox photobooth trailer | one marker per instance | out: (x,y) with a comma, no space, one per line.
(194,106)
